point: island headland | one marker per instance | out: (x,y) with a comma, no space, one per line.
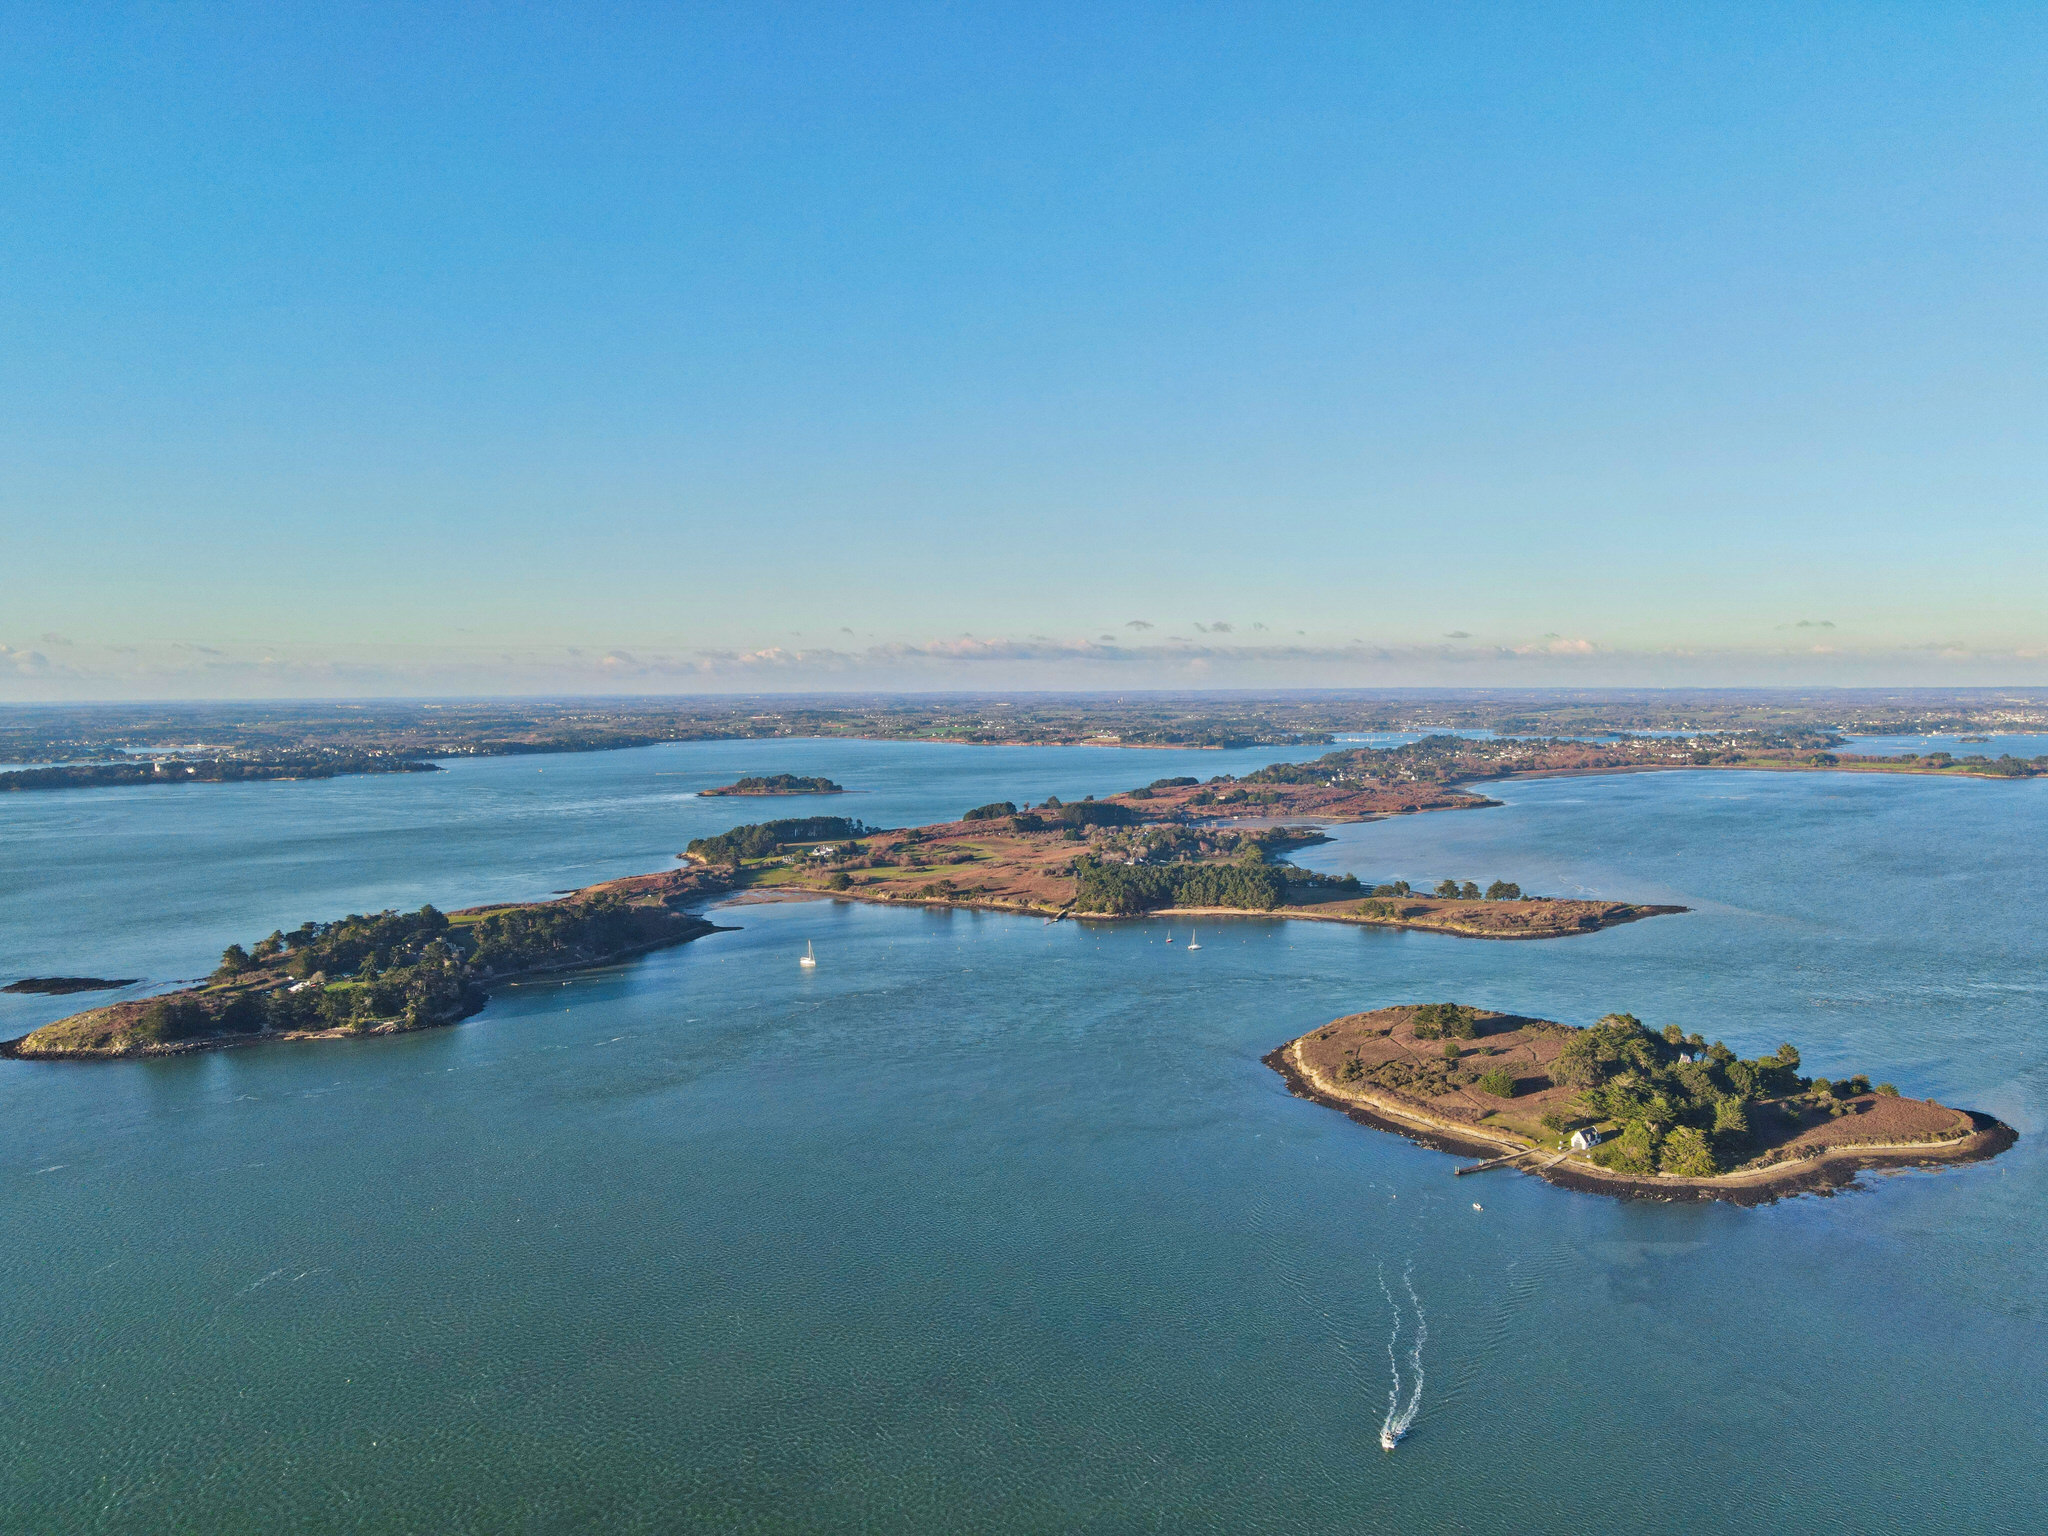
(375,974)
(1619,1109)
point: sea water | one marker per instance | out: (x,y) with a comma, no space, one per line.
(989,1224)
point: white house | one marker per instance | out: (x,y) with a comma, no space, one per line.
(1585,1138)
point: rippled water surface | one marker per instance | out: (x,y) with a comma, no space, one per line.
(992,1225)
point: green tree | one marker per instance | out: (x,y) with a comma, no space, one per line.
(1436,1020)
(1469,891)
(1499,1082)
(1448,889)
(1730,1118)
(233,961)
(1687,1152)
(1634,1150)
(1503,890)
(180,1016)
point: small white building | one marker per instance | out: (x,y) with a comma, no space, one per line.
(1585,1139)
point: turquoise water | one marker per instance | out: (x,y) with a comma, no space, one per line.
(2034,745)
(992,1225)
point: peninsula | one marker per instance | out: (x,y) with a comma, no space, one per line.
(372,975)
(1175,846)
(1618,1109)
(776,784)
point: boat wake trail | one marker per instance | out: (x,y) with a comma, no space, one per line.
(1401,1414)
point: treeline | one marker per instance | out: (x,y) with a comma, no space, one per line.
(1055,817)
(763,839)
(1174,783)
(1125,889)
(550,936)
(209,771)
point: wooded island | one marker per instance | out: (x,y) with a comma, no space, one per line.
(1619,1108)
(776,784)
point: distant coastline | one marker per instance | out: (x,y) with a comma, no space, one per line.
(111,746)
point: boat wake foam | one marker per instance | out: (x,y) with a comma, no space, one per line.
(1401,1414)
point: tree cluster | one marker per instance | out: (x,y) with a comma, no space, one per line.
(1124,889)
(764,839)
(1439,1021)
(1677,1116)
(362,970)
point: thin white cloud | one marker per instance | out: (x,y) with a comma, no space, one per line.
(188,670)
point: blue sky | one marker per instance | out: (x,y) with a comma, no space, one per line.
(501,348)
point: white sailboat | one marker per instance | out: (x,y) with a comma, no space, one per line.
(1191,942)
(1169,935)
(807,958)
